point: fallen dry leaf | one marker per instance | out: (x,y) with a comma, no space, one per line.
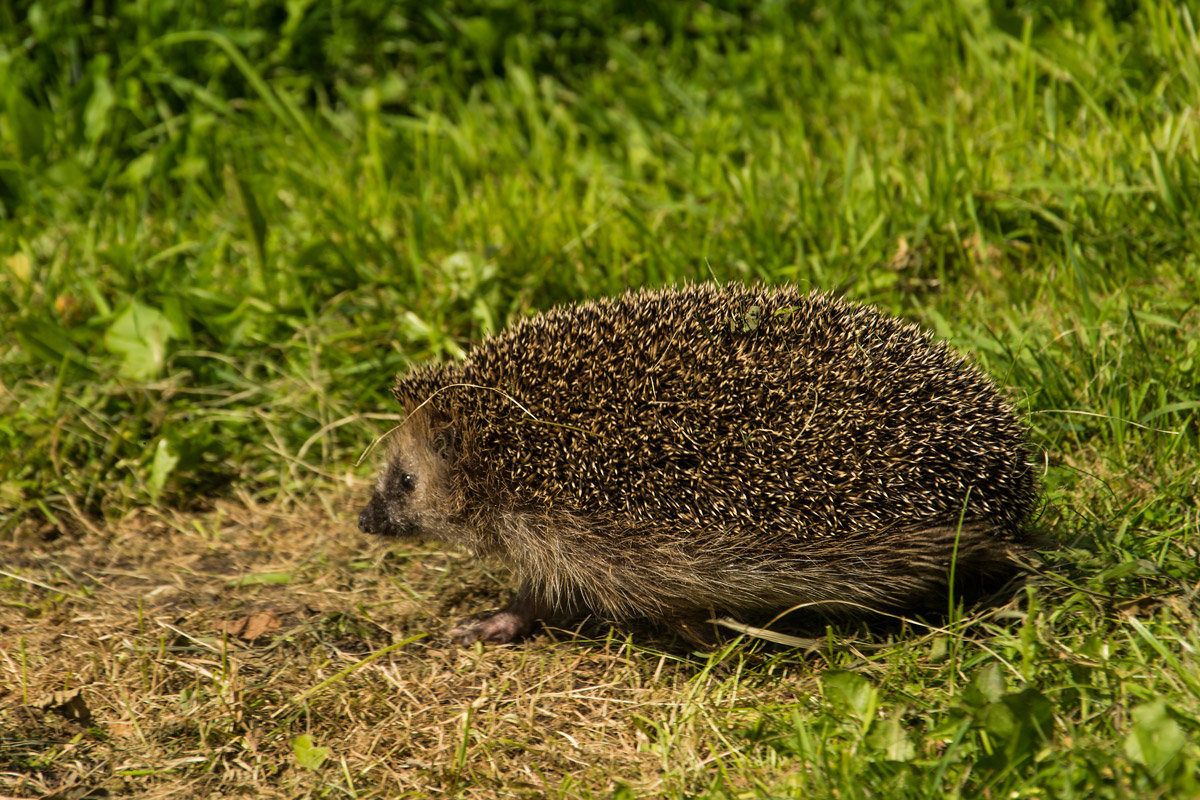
(69,705)
(251,627)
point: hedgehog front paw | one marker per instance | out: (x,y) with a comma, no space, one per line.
(499,628)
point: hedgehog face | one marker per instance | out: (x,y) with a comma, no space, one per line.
(411,498)
(390,509)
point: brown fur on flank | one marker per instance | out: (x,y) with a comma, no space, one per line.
(682,452)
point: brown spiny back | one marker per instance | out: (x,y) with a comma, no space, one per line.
(763,417)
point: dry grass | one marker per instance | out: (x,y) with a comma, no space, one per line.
(143,623)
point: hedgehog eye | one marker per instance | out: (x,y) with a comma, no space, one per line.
(407,482)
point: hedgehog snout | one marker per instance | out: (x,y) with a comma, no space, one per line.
(369,518)
(380,517)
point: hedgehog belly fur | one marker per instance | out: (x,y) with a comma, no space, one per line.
(657,575)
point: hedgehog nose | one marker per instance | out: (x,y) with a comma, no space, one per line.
(364,520)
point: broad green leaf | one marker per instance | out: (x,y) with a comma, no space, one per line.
(889,738)
(850,693)
(308,755)
(140,334)
(1018,723)
(1154,738)
(986,687)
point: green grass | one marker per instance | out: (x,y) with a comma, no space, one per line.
(223,231)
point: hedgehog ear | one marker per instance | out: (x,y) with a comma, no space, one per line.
(445,440)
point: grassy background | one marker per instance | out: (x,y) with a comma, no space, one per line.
(223,230)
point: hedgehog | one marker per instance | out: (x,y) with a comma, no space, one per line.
(678,454)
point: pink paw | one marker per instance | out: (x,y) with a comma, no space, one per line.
(499,628)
